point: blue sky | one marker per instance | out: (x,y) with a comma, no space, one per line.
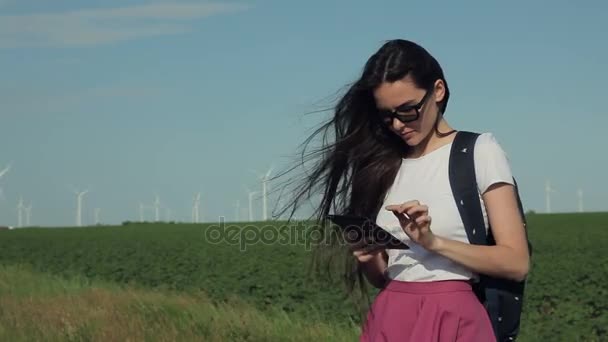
(130,99)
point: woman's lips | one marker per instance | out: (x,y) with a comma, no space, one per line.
(407,134)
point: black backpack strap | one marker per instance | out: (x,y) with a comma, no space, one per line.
(464,186)
(463,181)
(502,298)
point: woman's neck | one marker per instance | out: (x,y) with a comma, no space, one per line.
(433,141)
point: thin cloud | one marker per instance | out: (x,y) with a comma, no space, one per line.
(34,102)
(105,26)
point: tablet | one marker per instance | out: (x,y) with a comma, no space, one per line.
(357,228)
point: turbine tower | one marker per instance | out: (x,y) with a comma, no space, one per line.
(157,208)
(250,195)
(265,194)
(28,215)
(79,197)
(20,209)
(580,200)
(195,208)
(238,210)
(548,191)
(264,178)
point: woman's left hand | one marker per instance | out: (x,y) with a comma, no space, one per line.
(415,222)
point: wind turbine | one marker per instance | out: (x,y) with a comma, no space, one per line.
(28,215)
(20,209)
(250,195)
(5,170)
(264,178)
(79,196)
(157,208)
(195,208)
(548,191)
(580,200)
(238,210)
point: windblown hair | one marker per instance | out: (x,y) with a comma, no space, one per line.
(359,157)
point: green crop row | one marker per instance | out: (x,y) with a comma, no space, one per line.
(566,297)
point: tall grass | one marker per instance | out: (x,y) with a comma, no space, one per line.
(40,307)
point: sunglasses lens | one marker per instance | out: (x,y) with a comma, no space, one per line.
(403,116)
(407,115)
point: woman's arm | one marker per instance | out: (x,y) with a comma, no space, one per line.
(509,258)
(374,265)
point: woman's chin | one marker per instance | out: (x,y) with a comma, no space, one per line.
(412,139)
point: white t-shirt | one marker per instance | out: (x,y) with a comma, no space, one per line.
(426,179)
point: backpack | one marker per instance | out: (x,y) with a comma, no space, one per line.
(502,298)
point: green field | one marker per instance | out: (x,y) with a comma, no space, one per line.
(566,298)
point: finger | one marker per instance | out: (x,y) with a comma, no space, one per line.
(401,214)
(372,249)
(417,210)
(405,206)
(403,218)
(422,220)
(358,253)
(401,208)
(365,258)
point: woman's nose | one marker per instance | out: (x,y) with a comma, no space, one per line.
(397,125)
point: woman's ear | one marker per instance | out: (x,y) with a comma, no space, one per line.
(439,90)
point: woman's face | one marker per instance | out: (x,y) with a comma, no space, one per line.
(408,111)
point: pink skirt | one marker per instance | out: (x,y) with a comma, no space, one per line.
(438,311)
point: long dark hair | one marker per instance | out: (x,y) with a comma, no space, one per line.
(352,170)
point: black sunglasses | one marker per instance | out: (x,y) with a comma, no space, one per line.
(404,113)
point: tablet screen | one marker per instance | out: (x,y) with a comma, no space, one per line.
(357,228)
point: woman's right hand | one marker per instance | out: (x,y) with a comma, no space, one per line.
(364,256)
(365,253)
(372,259)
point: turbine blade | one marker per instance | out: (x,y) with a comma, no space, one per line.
(268,173)
(5,171)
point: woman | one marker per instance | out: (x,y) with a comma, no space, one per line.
(389,161)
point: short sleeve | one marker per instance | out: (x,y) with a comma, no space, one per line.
(491,163)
